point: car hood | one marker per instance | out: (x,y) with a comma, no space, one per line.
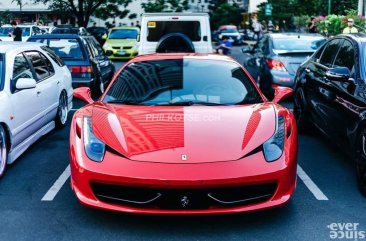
(176,134)
(121,42)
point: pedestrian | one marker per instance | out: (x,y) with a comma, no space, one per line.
(350,28)
(257,29)
(138,24)
(270,26)
(283,27)
(224,46)
(132,24)
(17,32)
(312,26)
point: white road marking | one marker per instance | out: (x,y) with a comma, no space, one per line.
(52,192)
(314,189)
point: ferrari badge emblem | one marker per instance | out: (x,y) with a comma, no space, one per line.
(184,157)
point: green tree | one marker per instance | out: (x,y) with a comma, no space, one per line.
(155,6)
(83,9)
(225,14)
(338,7)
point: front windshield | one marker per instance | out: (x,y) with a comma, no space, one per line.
(187,81)
(123,34)
(298,43)
(5,31)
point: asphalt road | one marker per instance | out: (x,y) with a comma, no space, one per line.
(329,176)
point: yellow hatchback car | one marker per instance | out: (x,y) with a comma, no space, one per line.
(122,42)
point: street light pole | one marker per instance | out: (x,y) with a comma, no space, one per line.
(329,6)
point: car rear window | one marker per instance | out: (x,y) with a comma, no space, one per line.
(66,49)
(157,29)
(298,43)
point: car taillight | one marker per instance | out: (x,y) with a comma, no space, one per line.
(81,69)
(275,65)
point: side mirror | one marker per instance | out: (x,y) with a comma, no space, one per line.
(338,74)
(282,93)
(84,94)
(108,52)
(25,83)
(104,36)
(247,49)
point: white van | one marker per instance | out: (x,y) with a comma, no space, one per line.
(175,33)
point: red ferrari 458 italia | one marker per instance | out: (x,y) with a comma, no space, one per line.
(183,134)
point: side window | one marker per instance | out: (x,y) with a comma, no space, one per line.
(21,69)
(329,52)
(40,67)
(50,68)
(346,56)
(53,56)
(88,49)
(97,47)
(318,53)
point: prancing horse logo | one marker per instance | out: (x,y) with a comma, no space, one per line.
(184,201)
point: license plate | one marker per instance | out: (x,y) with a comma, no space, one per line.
(120,52)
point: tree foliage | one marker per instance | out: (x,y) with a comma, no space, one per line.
(224,14)
(155,6)
(83,9)
(287,9)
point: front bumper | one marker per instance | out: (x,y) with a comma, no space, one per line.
(128,54)
(179,181)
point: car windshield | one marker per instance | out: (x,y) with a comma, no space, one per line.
(298,43)
(5,31)
(187,81)
(66,49)
(123,34)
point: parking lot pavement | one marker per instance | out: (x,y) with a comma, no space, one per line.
(308,216)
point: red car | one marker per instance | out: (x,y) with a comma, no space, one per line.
(183,134)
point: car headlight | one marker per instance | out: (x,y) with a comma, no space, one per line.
(94,148)
(106,45)
(273,147)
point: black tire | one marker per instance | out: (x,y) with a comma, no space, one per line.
(62,111)
(301,113)
(3,151)
(360,160)
(175,43)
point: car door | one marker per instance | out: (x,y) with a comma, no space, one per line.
(26,104)
(254,63)
(47,84)
(344,110)
(106,66)
(318,87)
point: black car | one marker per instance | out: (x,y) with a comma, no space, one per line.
(276,57)
(330,94)
(88,64)
(98,33)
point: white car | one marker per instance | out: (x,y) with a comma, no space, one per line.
(28,30)
(35,96)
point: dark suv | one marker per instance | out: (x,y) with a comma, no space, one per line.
(330,94)
(88,64)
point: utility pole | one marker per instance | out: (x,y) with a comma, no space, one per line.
(330,6)
(360,7)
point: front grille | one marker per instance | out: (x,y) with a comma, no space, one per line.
(127,47)
(183,199)
(116,47)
